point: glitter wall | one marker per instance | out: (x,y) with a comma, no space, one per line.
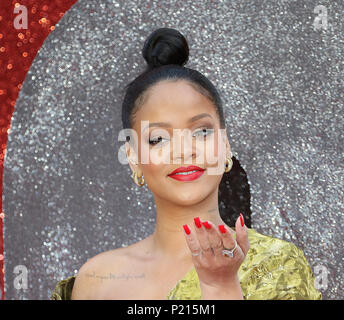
(279,69)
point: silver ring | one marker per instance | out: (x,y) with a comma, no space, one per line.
(228,252)
(197,254)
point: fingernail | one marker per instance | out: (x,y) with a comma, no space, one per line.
(186,228)
(222,228)
(242,219)
(198,222)
(206,224)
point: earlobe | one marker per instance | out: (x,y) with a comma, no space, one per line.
(132,164)
(130,156)
(228,147)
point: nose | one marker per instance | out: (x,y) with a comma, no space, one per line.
(183,146)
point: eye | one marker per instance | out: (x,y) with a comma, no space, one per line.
(204,132)
(155,141)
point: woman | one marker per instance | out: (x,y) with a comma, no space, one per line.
(192,253)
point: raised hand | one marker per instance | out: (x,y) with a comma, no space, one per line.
(218,273)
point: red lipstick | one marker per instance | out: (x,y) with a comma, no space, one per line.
(186,173)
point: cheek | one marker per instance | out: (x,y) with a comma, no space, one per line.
(160,155)
(153,175)
(151,170)
(154,155)
(214,148)
(156,167)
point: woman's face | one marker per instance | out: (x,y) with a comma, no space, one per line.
(172,104)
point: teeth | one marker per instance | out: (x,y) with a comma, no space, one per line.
(185,173)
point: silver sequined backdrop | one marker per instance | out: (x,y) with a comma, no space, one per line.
(66,196)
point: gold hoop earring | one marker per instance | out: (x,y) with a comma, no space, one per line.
(140,181)
(229,164)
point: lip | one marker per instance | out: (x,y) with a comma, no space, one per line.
(186,169)
(187,177)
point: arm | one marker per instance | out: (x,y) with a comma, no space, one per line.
(63,289)
(284,274)
(298,282)
(89,283)
(84,284)
(232,291)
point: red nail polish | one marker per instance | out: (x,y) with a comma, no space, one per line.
(206,224)
(242,219)
(222,228)
(198,222)
(186,228)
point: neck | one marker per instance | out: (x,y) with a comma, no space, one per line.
(168,241)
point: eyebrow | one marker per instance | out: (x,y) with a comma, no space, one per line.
(168,124)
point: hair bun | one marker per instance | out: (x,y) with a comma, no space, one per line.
(165,46)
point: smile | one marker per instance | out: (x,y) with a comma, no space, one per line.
(187,175)
(184,173)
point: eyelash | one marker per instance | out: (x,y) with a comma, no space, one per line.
(209,130)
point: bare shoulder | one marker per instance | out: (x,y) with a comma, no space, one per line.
(91,281)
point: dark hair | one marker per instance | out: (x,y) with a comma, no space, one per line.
(166,51)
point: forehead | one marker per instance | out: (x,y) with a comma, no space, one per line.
(174,102)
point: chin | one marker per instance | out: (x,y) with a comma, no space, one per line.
(188,196)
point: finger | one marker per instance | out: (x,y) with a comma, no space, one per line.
(192,243)
(242,234)
(214,238)
(227,237)
(202,236)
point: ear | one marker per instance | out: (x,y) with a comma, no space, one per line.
(228,149)
(228,153)
(131,156)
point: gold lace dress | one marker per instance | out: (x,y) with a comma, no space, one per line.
(273,269)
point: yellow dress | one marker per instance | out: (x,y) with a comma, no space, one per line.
(273,269)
